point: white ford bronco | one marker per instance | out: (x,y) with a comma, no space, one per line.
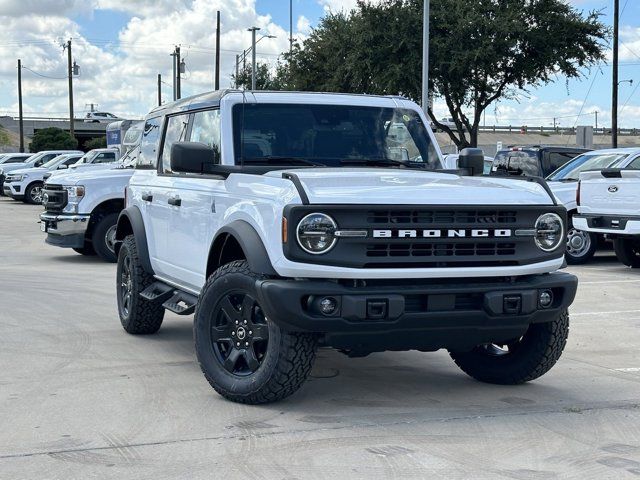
(609,203)
(288,221)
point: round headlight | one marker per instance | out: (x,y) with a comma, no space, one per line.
(315,233)
(549,232)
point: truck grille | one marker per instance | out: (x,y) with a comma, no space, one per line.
(56,198)
(426,237)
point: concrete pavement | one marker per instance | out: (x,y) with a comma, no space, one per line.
(79,398)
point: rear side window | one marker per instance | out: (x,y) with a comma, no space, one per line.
(45,159)
(516,163)
(15,160)
(71,160)
(176,132)
(206,130)
(149,144)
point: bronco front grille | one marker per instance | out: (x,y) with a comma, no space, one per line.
(426,237)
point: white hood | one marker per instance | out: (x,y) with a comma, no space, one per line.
(413,187)
(565,193)
(83,177)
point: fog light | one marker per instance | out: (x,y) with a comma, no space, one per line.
(328,306)
(545,299)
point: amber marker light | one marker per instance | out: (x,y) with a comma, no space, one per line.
(285,230)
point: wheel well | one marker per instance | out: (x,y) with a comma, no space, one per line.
(124,228)
(115,205)
(225,249)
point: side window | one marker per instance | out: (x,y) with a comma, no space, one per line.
(105,157)
(149,144)
(45,159)
(635,165)
(206,129)
(15,160)
(176,132)
(70,161)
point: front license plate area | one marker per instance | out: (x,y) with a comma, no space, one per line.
(43,226)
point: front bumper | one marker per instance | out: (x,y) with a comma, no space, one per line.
(424,315)
(67,231)
(611,224)
(13,190)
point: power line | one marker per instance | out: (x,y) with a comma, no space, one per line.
(44,76)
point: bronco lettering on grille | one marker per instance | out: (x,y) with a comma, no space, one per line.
(443,233)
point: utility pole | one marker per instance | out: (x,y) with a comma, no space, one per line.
(175,75)
(159,89)
(425,58)
(237,69)
(614,96)
(290,26)
(217,74)
(253,31)
(70,71)
(20,118)
(178,78)
(554,124)
(596,114)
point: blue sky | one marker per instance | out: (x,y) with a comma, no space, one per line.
(122,44)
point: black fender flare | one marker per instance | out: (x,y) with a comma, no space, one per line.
(132,217)
(251,244)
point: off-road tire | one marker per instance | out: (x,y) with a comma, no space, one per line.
(98,237)
(142,317)
(537,351)
(27,194)
(628,251)
(287,361)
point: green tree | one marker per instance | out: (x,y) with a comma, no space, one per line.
(52,139)
(265,79)
(481,51)
(98,142)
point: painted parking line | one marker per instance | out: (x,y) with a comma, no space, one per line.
(616,312)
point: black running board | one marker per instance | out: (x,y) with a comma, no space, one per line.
(181,303)
(177,301)
(158,292)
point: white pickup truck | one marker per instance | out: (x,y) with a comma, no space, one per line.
(82,207)
(609,203)
(289,220)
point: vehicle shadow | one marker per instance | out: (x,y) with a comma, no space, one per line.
(77,259)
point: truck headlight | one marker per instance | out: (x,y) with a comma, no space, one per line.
(75,193)
(549,232)
(315,233)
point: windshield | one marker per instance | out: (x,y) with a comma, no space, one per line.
(52,163)
(590,161)
(87,157)
(331,135)
(516,162)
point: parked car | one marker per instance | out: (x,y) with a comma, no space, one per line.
(534,161)
(94,159)
(14,157)
(609,203)
(275,254)
(450,162)
(35,160)
(100,117)
(26,183)
(581,245)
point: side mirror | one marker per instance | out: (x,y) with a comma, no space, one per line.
(471,160)
(62,167)
(191,157)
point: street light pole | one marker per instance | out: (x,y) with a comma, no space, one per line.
(425,58)
(290,26)
(216,82)
(20,118)
(70,71)
(614,96)
(253,31)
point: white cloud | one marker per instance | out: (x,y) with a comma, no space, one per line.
(18,8)
(303,25)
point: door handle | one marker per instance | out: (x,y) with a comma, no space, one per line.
(175,201)
(147,197)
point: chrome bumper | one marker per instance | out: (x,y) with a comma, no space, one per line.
(61,224)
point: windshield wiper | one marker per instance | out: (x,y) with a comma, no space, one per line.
(275,159)
(381,162)
(565,180)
